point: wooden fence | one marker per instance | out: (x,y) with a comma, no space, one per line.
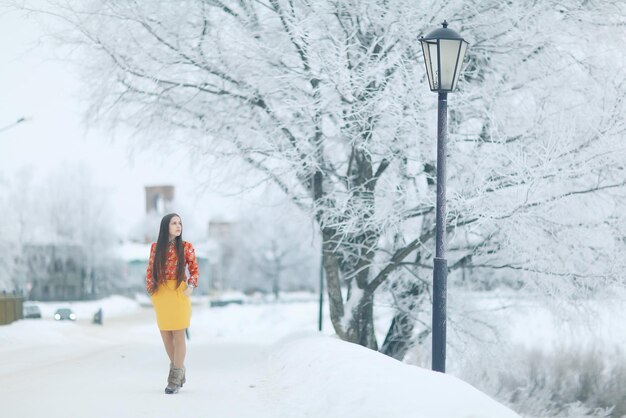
(11,307)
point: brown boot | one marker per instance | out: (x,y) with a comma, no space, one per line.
(182,383)
(174,380)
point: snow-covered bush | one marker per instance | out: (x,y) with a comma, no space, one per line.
(557,383)
(543,358)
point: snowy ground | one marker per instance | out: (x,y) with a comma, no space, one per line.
(263,360)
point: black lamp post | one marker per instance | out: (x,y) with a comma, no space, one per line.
(444,50)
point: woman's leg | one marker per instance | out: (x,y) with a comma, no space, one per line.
(168,341)
(180,348)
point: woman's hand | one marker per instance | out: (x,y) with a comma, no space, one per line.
(188,291)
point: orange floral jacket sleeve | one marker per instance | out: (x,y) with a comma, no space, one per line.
(192,264)
(149,276)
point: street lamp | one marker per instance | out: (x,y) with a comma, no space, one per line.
(17,122)
(444,50)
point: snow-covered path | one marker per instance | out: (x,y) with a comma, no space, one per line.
(262,361)
(103,382)
(101,371)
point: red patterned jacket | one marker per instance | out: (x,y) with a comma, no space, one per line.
(170,264)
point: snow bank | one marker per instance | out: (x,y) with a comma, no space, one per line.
(112,306)
(31,332)
(256,324)
(319,376)
(45,331)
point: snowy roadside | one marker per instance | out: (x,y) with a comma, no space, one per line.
(243,361)
(319,376)
(114,306)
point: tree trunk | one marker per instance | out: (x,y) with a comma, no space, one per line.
(361,328)
(399,337)
(333,286)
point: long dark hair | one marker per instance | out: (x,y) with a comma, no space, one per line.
(158,268)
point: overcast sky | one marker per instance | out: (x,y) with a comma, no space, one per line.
(35,85)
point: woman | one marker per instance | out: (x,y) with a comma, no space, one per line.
(170,290)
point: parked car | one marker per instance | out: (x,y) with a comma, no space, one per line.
(63,314)
(32,311)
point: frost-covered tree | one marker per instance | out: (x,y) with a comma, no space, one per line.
(80,214)
(328,100)
(64,207)
(20,220)
(18,208)
(7,257)
(274,251)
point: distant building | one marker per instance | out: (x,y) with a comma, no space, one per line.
(159,198)
(55,271)
(135,261)
(221,234)
(221,230)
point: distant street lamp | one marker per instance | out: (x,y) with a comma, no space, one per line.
(17,122)
(321,304)
(444,50)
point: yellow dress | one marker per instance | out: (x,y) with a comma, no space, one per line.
(171,306)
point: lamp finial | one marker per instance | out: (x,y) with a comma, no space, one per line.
(445,23)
